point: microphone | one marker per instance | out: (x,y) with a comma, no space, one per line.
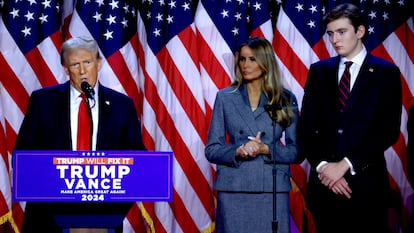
(271,110)
(90,94)
(88,90)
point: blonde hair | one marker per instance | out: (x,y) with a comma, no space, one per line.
(271,80)
(75,43)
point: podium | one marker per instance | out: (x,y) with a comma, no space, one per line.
(90,191)
(95,223)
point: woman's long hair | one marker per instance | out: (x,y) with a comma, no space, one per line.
(271,79)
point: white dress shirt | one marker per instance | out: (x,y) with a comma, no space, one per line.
(75,101)
(355,67)
(353,70)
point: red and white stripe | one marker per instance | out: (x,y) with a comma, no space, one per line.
(174,120)
(21,74)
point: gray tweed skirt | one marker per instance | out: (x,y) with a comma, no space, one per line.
(251,212)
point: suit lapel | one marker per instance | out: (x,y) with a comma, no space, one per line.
(330,90)
(245,112)
(64,112)
(104,111)
(362,80)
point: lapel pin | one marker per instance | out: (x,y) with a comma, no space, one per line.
(371,70)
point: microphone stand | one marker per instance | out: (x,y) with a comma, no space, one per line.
(271,110)
(89,93)
(90,120)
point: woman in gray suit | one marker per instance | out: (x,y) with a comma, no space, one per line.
(241,141)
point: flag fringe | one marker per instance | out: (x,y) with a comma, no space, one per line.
(148,219)
(8,217)
(150,223)
(210,229)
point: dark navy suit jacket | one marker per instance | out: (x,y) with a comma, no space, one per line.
(371,120)
(46,126)
(368,126)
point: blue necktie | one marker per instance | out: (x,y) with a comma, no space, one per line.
(344,86)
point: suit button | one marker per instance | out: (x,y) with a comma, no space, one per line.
(340,131)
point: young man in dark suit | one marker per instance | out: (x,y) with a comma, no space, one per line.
(51,123)
(344,135)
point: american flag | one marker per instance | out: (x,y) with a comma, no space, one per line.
(29,43)
(222,26)
(172,57)
(174,113)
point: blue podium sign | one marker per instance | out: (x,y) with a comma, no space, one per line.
(92,176)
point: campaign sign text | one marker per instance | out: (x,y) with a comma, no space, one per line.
(92,176)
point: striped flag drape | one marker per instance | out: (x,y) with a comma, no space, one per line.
(29,43)
(172,57)
(174,113)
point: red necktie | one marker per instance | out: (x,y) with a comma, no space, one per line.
(84,126)
(344,86)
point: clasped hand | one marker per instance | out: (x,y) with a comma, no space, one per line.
(252,148)
(332,176)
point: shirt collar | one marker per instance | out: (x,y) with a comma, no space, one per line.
(358,59)
(74,93)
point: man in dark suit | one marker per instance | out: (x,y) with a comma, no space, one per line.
(51,121)
(344,140)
